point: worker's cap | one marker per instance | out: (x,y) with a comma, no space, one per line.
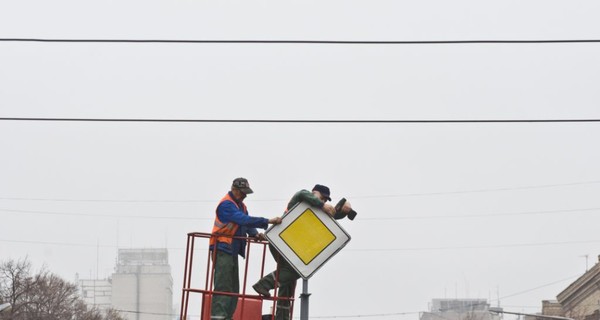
(323,190)
(243,185)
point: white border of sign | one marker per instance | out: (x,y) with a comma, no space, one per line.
(306,271)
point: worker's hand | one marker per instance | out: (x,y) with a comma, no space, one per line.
(329,209)
(347,207)
(261,236)
(276,220)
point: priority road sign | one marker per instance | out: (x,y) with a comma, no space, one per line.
(307,238)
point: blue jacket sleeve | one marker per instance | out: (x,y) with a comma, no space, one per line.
(252,232)
(228,212)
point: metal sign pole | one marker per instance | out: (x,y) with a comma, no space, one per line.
(304,300)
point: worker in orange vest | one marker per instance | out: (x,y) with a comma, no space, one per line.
(232,220)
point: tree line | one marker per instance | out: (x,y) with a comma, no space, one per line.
(42,295)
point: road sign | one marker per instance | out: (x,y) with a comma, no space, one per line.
(307,238)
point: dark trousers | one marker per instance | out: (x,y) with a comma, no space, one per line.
(226,280)
(287,284)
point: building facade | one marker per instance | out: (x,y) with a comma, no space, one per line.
(459,309)
(96,292)
(142,286)
(581,299)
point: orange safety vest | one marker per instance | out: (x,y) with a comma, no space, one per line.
(224,232)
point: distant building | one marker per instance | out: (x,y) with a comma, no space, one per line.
(459,309)
(142,286)
(581,299)
(95,292)
(552,308)
(140,289)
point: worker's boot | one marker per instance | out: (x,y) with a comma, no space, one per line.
(265,284)
(261,290)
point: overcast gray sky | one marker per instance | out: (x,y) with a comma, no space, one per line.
(504,210)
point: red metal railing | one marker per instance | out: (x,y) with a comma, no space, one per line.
(208,291)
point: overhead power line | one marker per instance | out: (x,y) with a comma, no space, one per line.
(298,120)
(316,317)
(373,250)
(416,217)
(113,216)
(474,190)
(485,246)
(391,195)
(317,42)
(489,215)
(539,287)
(169,201)
(374,315)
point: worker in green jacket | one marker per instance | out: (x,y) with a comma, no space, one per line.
(318,197)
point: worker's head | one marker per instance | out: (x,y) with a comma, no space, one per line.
(322,192)
(240,188)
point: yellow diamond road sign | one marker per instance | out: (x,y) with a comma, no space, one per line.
(307,238)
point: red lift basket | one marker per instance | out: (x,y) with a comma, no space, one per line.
(252,308)
(249,306)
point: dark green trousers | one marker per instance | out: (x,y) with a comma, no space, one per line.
(226,280)
(287,284)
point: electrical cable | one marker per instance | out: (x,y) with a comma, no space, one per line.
(539,287)
(316,317)
(493,246)
(339,42)
(366,315)
(119,216)
(117,200)
(418,217)
(513,245)
(297,121)
(69,244)
(397,195)
(474,190)
(489,215)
